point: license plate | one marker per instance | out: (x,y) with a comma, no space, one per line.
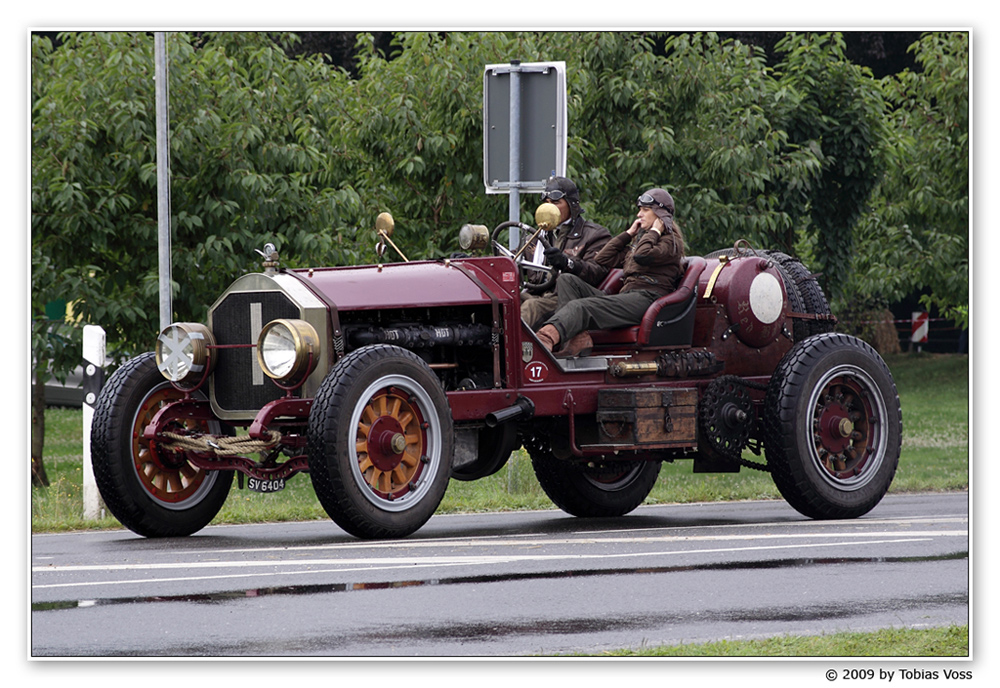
(258,485)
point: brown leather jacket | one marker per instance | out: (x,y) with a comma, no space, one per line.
(582,242)
(649,261)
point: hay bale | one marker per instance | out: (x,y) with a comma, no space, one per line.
(885,338)
(874,325)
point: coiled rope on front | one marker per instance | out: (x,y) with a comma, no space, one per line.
(220,446)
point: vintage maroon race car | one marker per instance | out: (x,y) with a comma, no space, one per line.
(384,382)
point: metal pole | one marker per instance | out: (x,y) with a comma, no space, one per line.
(514,213)
(163,175)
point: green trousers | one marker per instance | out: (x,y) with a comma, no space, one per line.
(583,307)
(535,310)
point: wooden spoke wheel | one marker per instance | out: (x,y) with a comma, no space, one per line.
(381,442)
(151,491)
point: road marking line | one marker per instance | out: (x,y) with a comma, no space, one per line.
(42,568)
(417,562)
(633,539)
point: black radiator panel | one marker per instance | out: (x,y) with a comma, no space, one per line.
(234,385)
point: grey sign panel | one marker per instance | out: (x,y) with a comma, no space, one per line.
(542,125)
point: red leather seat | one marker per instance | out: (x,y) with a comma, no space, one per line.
(612,283)
(669,321)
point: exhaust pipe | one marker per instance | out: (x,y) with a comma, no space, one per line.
(522,407)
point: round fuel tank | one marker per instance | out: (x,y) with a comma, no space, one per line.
(754,297)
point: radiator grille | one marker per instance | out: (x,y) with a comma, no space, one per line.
(238,383)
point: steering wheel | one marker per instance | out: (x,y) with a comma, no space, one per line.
(526,268)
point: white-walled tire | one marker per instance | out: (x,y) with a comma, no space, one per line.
(381,442)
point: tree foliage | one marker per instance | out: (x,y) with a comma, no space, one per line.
(248,164)
(920,214)
(828,105)
(867,178)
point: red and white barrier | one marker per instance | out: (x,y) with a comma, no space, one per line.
(919,327)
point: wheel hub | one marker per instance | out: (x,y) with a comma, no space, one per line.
(836,429)
(842,429)
(168,476)
(386,443)
(391,443)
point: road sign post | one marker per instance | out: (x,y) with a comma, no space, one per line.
(524,128)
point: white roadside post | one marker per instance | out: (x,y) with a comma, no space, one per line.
(93,378)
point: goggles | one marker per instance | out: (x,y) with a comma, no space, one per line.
(647,200)
(553,195)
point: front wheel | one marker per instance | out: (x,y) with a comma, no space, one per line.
(151,491)
(603,490)
(381,442)
(833,427)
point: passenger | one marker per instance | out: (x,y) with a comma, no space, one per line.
(574,245)
(651,252)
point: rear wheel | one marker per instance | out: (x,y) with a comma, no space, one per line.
(380,442)
(601,490)
(833,427)
(495,447)
(151,491)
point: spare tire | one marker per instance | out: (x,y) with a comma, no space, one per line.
(810,296)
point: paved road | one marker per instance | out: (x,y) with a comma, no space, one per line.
(503,584)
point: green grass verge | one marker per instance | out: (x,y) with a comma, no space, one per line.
(946,641)
(933,390)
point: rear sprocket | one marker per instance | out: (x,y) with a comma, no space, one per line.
(727,417)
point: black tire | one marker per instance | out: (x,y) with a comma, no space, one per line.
(810,294)
(795,303)
(495,447)
(389,485)
(601,491)
(152,492)
(832,427)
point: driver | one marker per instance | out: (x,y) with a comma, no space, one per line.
(575,243)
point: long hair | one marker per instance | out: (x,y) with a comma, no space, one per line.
(680,235)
